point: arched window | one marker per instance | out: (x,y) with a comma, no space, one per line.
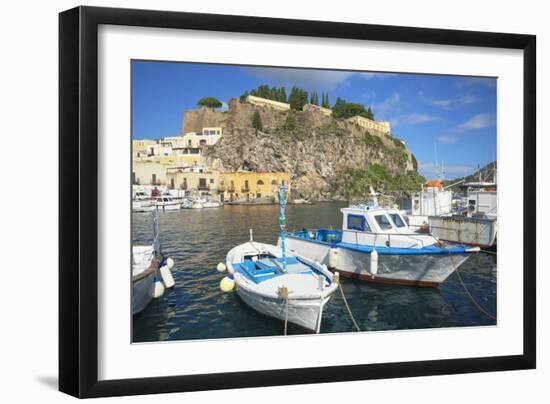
(274,182)
(260,182)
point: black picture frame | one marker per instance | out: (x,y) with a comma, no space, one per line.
(78,196)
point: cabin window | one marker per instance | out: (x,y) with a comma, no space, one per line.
(397,220)
(383,222)
(357,222)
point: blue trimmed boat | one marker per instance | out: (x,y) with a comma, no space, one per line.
(288,287)
(376,245)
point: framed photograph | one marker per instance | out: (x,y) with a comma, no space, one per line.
(266,202)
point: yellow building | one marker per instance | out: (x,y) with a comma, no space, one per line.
(252,186)
(142,148)
(196,180)
(367,123)
(148,173)
(264,102)
(323,110)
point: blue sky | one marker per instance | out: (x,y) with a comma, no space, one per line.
(443,119)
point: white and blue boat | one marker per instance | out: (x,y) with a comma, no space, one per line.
(288,287)
(376,245)
(150,271)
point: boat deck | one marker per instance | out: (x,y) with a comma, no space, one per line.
(266,268)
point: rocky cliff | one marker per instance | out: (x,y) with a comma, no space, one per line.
(328,158)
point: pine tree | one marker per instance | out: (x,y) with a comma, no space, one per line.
(244,96)
(257,121)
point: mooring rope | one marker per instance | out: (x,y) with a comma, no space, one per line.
(286,315)
(488,252)
(347,307)
(283,293)
(474,301)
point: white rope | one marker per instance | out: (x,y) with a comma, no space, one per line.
(347,307)
(481,309)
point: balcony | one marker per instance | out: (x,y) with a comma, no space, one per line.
(245,189)
(203,187)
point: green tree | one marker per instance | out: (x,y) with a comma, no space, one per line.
(344,109)
(257,121)
(298,98)
(325,103)
(370,114)
(243,97)
(290,122)
(282,96)
(209,102)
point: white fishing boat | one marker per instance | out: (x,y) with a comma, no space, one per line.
(150,272)
(285,286)
(142,202)
(212,204)
(201,203)
(475,223)
(431,200)
(376,245)
(167,203)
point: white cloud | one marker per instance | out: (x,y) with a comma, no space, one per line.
(224,107)
(479,121)
(389,104)
(370,76)
(450,103)
(447,139)
(309,79)
(369,95)
(414,119)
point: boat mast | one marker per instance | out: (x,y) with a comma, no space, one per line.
(282,222)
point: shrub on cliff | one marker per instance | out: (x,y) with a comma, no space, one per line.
(360,179)
(257,121)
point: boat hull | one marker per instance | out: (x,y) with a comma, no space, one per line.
(169,207)
(464,230)
(316,252)
(412,270)
(305,313)
(428,270)
(142,293)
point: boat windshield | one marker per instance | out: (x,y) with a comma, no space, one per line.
(396,218)
(383,221)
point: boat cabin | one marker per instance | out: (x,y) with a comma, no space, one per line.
(373,225)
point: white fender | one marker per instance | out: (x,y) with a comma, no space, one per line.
(221,267)
(227,284)
(166,276)
(333,258)
(158,289)
(374,262)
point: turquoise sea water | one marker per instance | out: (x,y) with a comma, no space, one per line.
(196,308)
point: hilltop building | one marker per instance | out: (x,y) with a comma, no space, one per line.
(367,123)
(264,102)
(361,121)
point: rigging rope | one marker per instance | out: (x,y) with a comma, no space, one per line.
(481,309)
(347,307)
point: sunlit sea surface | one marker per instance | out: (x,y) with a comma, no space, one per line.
(196,308)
